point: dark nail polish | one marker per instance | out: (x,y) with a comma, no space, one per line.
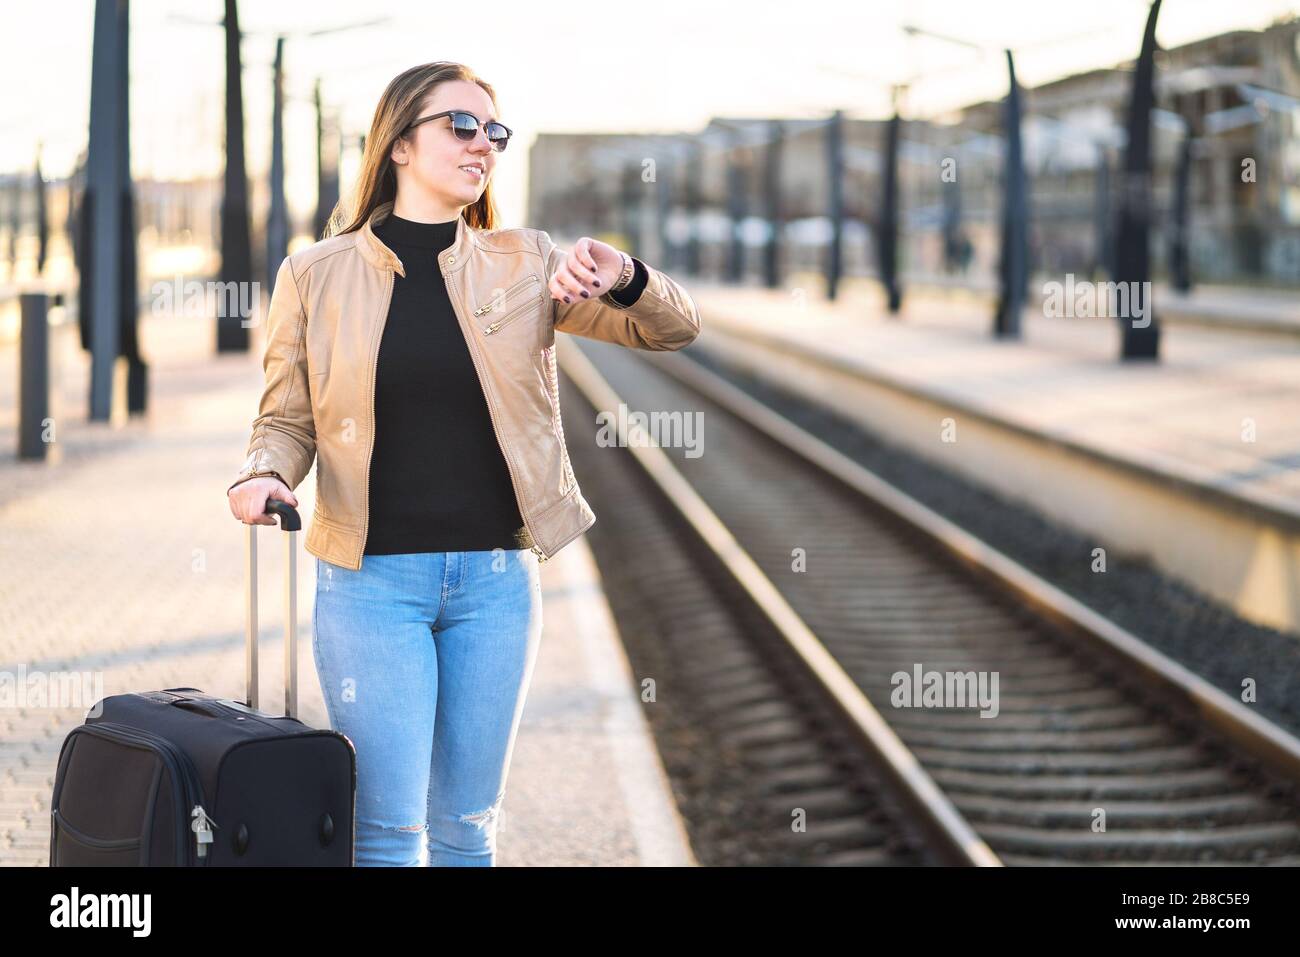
(585,294)
(596,281)
(566,298)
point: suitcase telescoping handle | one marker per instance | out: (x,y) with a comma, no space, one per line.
(290,522)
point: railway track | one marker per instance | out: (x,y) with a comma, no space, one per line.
(1097,749)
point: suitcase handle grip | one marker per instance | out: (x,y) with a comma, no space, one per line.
(199,707)
(290,520)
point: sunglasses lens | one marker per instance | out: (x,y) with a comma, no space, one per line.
(465,126)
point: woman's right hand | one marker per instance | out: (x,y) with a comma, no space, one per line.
(248,499)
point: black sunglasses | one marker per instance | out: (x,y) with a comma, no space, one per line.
(466,126)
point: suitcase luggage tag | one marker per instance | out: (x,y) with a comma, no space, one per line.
(202,827)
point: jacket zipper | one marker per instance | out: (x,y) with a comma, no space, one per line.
(517,312)
(474,354)
(185,781)
(365,498)
(504,296)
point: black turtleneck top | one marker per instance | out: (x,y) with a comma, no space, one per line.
(438,478)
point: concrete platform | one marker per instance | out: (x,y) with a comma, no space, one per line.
(119,558)
(1238,308)
(586,784)
(1194,460)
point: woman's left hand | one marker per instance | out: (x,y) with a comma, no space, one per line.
(589,270)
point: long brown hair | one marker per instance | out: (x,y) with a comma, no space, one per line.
(376,182)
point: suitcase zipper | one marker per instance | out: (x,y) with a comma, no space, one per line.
(184,778)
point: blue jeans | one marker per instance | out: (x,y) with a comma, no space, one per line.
(424,660)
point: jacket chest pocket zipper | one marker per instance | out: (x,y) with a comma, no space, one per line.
(513,314)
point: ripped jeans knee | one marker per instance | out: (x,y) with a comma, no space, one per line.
(467,839)
(485,819)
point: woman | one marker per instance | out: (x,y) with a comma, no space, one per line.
(411,352)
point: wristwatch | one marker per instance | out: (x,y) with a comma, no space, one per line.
(625,277)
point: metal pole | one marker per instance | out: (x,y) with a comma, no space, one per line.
(250,617)
(277,220)
(772,198)
(1132,240)
(664,173)
(128,345)
(33,375)
(954,239)
(1104,254)
(1180,274)
(327,174)
(887,234)
(630,204)
(15,219)
(1013,271)
(737,169)
(236,245)
(105,209)
(694,169)
(290,623)
(835,175)
(42,217)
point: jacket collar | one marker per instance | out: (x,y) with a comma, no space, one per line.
(380,256)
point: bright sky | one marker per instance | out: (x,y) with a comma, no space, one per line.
(665,66)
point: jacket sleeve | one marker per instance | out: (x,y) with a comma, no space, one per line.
(283,442)
(662,318)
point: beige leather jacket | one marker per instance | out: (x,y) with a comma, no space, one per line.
(324,325)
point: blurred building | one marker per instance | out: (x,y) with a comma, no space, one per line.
(1237,93)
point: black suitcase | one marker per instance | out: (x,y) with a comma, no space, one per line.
(182,778)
